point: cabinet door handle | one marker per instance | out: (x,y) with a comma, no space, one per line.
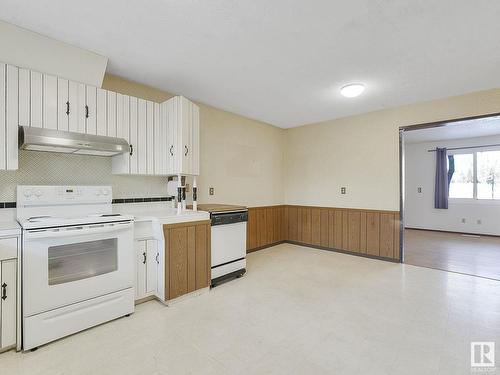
(186,150)
(67,108)
(131,150)
(86,111)
(4,291)
(172,150)
(157,258)
(143,258)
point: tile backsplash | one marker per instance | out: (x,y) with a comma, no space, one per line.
(45,168)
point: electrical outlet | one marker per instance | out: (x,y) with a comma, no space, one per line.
(479,221)
(463,220)
(343,190)
(419,190)
(211,191)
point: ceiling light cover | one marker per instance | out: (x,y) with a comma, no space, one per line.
(352,90)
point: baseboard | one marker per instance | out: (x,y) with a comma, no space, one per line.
(453,232)
(347,252)
(363,255)
(264,247)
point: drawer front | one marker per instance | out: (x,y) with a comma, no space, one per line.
(8,248)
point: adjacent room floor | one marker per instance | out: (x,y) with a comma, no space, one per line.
(297,311)
(471,255)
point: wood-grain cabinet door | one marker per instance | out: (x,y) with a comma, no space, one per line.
(188,259)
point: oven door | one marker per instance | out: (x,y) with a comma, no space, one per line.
(66,265)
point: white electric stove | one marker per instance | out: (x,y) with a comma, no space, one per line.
(77,260)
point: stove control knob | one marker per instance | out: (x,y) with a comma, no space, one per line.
(28,193)
(105,192)
(38,193)
(97,192)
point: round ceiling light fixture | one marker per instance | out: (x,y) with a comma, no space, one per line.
(352,90)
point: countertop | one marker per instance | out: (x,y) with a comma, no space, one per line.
(8,222)
(160,212)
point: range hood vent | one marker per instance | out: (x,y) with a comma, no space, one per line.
(38,139)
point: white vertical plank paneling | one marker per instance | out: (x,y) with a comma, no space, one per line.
(3,142)
(134,160)
(151,266)
(150,147)
(142,136)
(91,104)
(24,97)
(111,112)
(36,99)
(62,104)
(49,102)
(101,112)
(158,156)
(11,116)
(8,312)
(78,108)
(74,105)
(121,163)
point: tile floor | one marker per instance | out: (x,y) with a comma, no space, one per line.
(471,255)
(297,311)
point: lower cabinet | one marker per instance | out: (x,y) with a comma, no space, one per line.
(147,264)
(8,303)
(187,257)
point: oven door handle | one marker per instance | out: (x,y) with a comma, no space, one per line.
(78,230)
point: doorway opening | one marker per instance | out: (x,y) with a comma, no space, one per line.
(450,195)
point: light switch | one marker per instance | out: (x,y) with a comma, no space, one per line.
(211,191)
(343,190)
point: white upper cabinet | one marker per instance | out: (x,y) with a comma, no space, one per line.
(183,134)
(163,138)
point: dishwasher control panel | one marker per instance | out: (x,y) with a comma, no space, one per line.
(224,218)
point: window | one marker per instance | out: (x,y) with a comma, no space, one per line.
(488,175)
(476,175)
(462,182)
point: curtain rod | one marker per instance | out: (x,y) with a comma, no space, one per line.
(465,148)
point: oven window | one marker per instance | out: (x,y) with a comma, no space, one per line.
(82,260)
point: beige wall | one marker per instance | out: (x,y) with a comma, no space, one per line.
(362,152)
(241,158)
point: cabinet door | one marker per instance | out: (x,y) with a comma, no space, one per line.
(90,109)
(8,301)
(49,102)
(121,163)
(186,129)
(195,140)
(150,137)
(142,136)
(140,274)
(101,112)
(36,99)
(3,143)
(134,160)
(151,266)
(24,97)
(76,98)
(171,135)
(11,116)
(62,104)
(159,147)
(111,110)
(177,262)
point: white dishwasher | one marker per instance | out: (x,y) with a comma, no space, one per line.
(228,241)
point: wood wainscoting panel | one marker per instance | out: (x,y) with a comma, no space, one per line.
(371,232)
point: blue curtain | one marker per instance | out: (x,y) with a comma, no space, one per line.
(442,179)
